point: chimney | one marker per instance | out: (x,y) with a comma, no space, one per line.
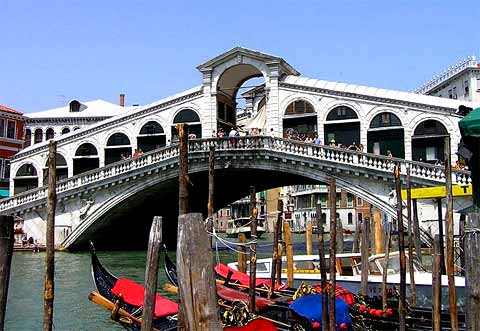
(122,99)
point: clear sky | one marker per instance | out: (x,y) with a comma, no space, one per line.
(55,51)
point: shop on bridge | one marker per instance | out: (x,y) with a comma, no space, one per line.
(300,120)
(85,159)
(386,134)
(190,117)
(25,179)
(428,142)
(151,137)
(118,148)
(342,127)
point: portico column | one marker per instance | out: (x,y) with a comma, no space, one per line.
(407,140)
(273,112)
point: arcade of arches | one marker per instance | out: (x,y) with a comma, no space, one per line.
(190,117)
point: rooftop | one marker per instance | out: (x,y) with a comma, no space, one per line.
(10,110)
(96,108)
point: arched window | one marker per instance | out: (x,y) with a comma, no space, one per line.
(38,136)
(61,168)
(190,117)
(428,142)
(86,159)
(350,218)
(65,130)
(346,127)
(151,137)
(386,134)
(118,139)
(300,120)
(25,179)
(76,128)
(28,138)
(299,107)
(118,148)
(341,113)
(50,134)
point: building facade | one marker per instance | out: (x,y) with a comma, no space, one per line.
(460,81)
(11,142)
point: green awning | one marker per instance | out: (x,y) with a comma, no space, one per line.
(4,193)
(470,124)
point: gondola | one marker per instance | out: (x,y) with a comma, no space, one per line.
(124,298)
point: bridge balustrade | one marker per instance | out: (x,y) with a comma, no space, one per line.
(331,155)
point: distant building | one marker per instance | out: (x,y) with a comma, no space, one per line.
(11,141)
(460,81)
(44,125)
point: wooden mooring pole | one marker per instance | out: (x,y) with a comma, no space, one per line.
(452,299)
(308,243)
(49,290)
(151,273)
(211,181)
(437,284)
(323,267)
(242,253)
(288,252)
(401,248)
(440,232)
(385,269)
(413,291)
(6,253)
(253,247)
(332,197)
(364,256)
(183,179)
(472,271)
(197,293)
(276,234)
(416,231)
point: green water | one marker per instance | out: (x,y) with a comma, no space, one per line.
(73,282)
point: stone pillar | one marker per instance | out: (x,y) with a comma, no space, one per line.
(209,113)
(273,111)
(407,141)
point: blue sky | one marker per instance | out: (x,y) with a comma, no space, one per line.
(54,51)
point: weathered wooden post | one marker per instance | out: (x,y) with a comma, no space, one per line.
(416,231)
(279,263)
(253,247)
(364,257)
(242,253)
(6,253)
(356,236)
(413,291)
(211,179)
(378,233)
(49,292)
(183,179)
(472,271)
(440,232)
(450,249)
(308,243)
(323,267)
(385,270)
(339,239)
(151,273)
(437,285)
(197,294)
(332,197)
(276,234)
(401,248)
(288,253)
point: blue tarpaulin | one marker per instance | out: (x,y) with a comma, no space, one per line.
(310,307)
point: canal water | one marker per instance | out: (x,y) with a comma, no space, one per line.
(73,282)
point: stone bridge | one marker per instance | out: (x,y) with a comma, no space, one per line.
(117,202)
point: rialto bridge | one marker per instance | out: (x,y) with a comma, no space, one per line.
(103,196)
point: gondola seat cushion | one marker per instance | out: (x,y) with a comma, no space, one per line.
(255,325)
(133,294)
(241,277)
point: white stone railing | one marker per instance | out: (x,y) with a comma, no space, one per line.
(351,159)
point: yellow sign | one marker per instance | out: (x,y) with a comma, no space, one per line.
(438,192)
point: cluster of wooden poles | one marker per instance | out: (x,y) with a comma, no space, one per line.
(198,306)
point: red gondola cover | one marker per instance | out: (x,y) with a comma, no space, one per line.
(255,325)
(340,292)
(242,278)
(230,294)
(132,293)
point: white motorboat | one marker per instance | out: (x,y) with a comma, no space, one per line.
(242,225)
(306,268)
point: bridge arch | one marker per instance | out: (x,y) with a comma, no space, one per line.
(301,116)
(150,135)
(49,133)
(26,178)
(428,141)
(386,133)
(65,130)
(342,125)
(86,158)
(118,144)
(37,135)
(189,116)
(61,168)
